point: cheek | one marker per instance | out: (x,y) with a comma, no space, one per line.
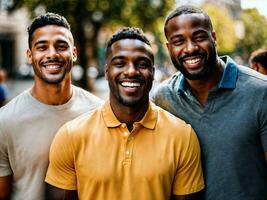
(149,75)
(175,51)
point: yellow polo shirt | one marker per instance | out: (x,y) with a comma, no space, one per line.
(97,155)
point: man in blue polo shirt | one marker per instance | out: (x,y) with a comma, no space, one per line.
(225,103)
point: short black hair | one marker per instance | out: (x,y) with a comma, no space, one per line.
(186,9)
(127,33)
(44,20)
(259,56)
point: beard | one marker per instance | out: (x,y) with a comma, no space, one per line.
(208,66)
(130,101)
(56,79)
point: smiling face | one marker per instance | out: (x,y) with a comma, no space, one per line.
(52,54)
(130,72)
(191,44)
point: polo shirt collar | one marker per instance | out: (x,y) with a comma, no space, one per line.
(148,121)
(228,80)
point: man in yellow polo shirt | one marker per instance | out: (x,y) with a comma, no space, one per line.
(128,149)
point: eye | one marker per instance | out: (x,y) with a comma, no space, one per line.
(200,37)
(41,47)
(143,64)
(177,41)
(62,47)
(118,64)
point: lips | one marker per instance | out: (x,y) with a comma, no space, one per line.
(130,87)
(51,67)
(192,62)
(130,84)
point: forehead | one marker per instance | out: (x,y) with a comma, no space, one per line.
(52,33)
(187,21)
(130,48)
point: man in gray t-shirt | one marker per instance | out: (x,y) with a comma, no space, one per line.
(29,122)
(225,103)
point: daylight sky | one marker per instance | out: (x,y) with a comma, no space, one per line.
(261,5)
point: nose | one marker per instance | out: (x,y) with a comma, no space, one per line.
(131,69)
(52,52)
(190,47)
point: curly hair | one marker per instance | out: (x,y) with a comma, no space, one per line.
(127,33)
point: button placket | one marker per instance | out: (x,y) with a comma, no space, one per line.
(128,138)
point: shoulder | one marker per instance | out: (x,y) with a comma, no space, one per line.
(176,125)
(252,80)
(170,82)
(84,122)
(83,95)
(16,106)
(166,87)
(252,74)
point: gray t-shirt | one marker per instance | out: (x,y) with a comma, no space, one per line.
(231,127)
(27,128)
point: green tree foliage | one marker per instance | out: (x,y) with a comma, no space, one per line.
(224,27)
(88,17)
(255,27)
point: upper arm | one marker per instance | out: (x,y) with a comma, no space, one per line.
(189,177)
(61,170)
(54,193)
(5,187)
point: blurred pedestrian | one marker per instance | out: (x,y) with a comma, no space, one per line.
(258,60)
(129,148)
(224,102)
(29,122)
(3,88)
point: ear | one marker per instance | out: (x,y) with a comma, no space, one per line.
(106,71)
(29,56)
(74,54)
(153,72)
(213,35)
(255,66)
(168,45)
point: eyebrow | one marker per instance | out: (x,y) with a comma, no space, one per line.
(117,57)
(199,32)
(39,42)
(45,41)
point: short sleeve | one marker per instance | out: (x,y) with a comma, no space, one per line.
(5,168)
(61,171)
(189,177)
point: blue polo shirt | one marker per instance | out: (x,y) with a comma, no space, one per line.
(231,127)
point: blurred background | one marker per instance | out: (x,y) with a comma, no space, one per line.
(241,27)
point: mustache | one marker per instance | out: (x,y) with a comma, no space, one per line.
(53,61)
(136,79)
(192,55)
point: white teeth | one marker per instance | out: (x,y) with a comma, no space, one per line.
(52,67)
(192,61)
(130,84)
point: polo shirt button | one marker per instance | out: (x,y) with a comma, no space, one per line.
(123,125)
(127,153)
(126,134)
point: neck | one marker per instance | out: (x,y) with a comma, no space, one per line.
(129,114)
(201,88)
(52,94)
